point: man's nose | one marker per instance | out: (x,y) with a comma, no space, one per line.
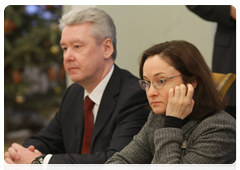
(68,55)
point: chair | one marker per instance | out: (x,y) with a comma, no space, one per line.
(224,81)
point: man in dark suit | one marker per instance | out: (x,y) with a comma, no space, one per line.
(119,104)
(224,53)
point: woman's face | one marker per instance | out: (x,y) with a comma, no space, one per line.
(155,67)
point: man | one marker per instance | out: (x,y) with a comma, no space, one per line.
(119,105)
(224,53)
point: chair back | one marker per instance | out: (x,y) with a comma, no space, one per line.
(224,81)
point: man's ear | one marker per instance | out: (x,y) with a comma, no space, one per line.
(108,48)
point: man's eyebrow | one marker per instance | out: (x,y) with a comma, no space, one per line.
(61,44)
(75,41)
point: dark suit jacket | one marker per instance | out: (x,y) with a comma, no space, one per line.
(121,115)
(224,53)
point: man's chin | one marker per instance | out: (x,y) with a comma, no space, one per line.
(75,79)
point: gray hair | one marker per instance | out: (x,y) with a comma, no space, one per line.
(102,24)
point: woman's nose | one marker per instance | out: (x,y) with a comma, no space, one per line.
(152,91)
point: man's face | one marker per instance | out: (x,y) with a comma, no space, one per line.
(83,57)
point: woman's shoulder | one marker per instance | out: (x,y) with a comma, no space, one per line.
(220,119)
(221,116)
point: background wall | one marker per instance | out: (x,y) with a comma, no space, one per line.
(141,26)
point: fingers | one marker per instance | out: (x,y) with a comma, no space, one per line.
(7,155)
(17,146)
(177,92)
(37,151)
(170,93)
(12,152)
(21,155)
(190,91)
(182,91)
(11,155)
(31,148)
(180,101)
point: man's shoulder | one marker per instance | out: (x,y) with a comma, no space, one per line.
(125,85)
(75,86)
(74,89)
(125,75)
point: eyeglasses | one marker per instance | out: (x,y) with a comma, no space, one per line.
(157,83)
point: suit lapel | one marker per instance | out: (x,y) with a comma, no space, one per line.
(79,122)
(108,103)
(106,108)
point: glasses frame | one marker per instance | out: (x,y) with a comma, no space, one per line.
(155,84)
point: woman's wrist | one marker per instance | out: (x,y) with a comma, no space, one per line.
(174,122)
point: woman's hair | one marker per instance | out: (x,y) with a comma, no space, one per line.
(102,24)
(187,59)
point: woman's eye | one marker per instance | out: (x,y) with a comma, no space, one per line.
(161,81)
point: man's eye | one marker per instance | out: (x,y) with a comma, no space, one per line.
(64,48)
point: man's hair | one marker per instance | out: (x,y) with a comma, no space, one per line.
(187,59)
(102,24)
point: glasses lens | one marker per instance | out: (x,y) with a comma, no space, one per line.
(159,83)
(143,84)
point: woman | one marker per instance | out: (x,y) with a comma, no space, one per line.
(187,123)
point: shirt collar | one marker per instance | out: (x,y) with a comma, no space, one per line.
(96,94)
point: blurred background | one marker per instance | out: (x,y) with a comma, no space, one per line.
(34,77)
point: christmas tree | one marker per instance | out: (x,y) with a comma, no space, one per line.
(34,77)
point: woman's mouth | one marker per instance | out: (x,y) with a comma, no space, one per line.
(155,103)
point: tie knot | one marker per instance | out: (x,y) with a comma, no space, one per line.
(88,104)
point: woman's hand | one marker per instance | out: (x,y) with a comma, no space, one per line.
(180,102)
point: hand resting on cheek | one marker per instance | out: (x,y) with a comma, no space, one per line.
(180,101)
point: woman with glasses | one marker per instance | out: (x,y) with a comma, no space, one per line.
(187,124)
